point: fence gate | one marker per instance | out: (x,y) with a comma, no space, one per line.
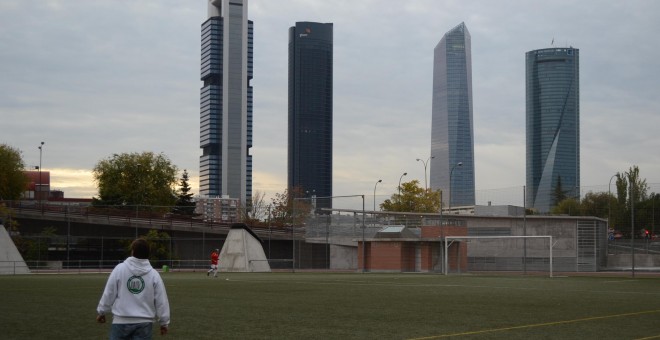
(587,233)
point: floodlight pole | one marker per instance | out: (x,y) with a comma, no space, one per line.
(632,227)
(375,185)
(364,244)
(293,237)
(41,186)
(405,173)
(525,232)
(451,173)
(609,202)
(425,163)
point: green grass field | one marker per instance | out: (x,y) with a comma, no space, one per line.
(348,306)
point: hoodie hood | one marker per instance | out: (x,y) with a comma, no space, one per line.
(137,266)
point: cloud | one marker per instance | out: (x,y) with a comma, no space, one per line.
(93,78)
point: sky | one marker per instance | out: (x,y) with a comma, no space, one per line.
(91,78)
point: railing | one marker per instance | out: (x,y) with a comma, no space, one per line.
(136,215)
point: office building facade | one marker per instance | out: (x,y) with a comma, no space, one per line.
(310,110)
(226,101)
(452,138)
(552,126)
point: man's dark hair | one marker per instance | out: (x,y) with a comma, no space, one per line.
(140,249)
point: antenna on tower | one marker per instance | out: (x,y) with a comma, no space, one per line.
(553,42)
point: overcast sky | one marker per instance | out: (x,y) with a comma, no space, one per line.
(92,78)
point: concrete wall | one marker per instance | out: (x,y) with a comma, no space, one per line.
(642,261)
(567,233)
(11,261)
(343,257)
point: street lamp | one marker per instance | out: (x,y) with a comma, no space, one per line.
(405,173)
(609,201)
(425,164)
(40,184)
(375,185)
(451,173)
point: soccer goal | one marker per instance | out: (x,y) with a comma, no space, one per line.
(466,254)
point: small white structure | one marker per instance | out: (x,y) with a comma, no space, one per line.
(242,251)
(11,261)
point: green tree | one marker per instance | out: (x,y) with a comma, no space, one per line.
(184,202)
(35,248)
(558,194)
(13,181)
(413,198)
(569,206)
(596,204)
(621,211)
(132,179)
(7,219)
(639,186)
(159,245)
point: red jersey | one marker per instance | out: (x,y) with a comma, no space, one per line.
(214,258)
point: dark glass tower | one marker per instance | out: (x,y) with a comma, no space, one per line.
(553,126)
(452,138)
(226,102)
(310,110)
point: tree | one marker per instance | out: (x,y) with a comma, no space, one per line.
(184,202)
(159,244)
(132,179)
(256,212)
(639,186)
(13,181)
(558,194)
(596,204)
(625,182)
(7,219)
(288,209)
(569,206)
(413,198)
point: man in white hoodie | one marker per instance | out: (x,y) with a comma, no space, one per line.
(136,295)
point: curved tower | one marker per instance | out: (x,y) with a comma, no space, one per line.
(553,126)
(452,136)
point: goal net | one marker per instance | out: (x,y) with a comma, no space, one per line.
(522,254)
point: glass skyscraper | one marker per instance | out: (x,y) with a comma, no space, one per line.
(452,138)
(226,101)
(310,110)
(553,126)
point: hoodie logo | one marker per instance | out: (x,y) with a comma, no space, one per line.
(135,284)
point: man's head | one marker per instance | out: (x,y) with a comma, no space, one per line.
(140,249)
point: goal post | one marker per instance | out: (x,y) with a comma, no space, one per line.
(498,248)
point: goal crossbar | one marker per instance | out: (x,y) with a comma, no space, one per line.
(454,238)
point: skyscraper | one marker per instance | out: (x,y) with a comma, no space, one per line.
(452,139)
(226,101)
(310,109)
(553,126)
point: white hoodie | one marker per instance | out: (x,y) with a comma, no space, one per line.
(135,293)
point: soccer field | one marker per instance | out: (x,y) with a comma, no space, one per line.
(349,306)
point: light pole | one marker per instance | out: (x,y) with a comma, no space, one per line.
(425,164)
(609,202)
(451,173)
(632,226)
(40,185)
(375,185)
(405,173)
